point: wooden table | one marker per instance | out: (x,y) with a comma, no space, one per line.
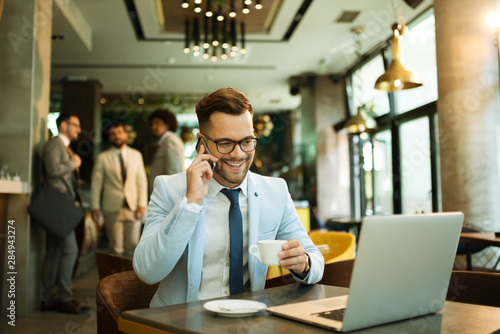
(488,239)
(192,318)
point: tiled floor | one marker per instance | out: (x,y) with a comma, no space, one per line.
(59,323)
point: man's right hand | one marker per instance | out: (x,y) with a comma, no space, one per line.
(198,175)
(95,216)
(76,158)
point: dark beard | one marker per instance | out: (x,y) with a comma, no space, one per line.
(115,144)
(230,178)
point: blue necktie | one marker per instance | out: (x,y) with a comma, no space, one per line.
(236,242)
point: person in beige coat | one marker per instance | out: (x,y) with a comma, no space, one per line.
(118,188)
(169,156)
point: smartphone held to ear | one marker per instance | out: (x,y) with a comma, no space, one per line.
(201,141)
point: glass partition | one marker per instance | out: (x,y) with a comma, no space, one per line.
(383,180)
(416,185)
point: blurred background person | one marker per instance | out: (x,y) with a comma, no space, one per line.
(119,189)
(169,155)
(60,164)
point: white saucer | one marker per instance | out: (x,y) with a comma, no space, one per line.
(234,307)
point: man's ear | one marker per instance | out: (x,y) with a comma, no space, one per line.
(63,126)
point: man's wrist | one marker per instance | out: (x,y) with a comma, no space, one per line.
(308,264)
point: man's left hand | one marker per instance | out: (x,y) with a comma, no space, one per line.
(293,257)
(140,212)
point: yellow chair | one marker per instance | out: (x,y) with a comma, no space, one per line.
(335,246)
(305,218)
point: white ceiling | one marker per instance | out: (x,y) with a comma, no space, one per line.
(100,44)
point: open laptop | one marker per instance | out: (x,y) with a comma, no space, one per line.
(402,270)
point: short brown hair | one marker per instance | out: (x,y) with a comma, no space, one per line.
(225,100)
(167,117)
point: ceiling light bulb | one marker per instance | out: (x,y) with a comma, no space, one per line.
(220,18)
(206,55)
(246,10)
(214,58)
(197,9)
(206,45)
(196,53)
(185,4)
(197,2)
(258,6)
(243,51)
(224,56)
(196,48)
(232,53)
(248,2)
(232,14)
(209,13)
(225,45)
(215,43)
(186,50)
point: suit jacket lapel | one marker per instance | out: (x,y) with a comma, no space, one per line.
(112,162)
(196,246)
(253,220)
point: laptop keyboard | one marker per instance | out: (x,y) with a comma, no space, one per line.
(337,314)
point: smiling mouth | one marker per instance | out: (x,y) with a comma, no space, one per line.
(234,164)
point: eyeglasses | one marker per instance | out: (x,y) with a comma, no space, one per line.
(75,125)
(226,146)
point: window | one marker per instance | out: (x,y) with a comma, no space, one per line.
(395,170)
(363,92)
(416,184)
(382,173)
(419,54)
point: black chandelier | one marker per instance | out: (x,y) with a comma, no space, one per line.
(212,33)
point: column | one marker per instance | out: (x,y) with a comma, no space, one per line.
(468,113)
(25,52)
(332,149)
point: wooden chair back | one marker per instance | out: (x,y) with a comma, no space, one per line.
(108,264)
(117,293)
(474,287)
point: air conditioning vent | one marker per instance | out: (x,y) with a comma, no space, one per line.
(347,16)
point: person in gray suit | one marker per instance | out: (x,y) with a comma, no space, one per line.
(119,188)
(60,164)
(169,156)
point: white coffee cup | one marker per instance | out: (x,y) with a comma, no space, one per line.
(267,251)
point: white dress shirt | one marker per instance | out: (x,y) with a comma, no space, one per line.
(123,151)
(64,139)
(215,275)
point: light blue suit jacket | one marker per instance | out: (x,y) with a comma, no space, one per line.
(171,247)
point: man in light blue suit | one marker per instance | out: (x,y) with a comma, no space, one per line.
(188,243)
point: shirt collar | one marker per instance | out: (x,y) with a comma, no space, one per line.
(117,151)
(163,137)
(214,187)
(64,139)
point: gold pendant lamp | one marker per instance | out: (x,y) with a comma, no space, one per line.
(360,123)
(398,77)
